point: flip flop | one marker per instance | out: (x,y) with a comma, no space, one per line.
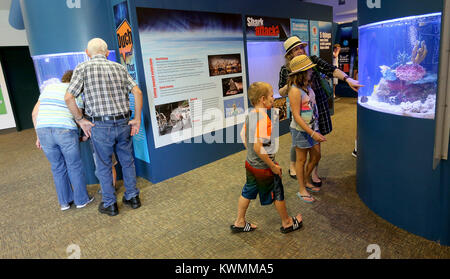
(302,198)
(246,228)
(312,189)
(293,176)
(317,184)
(295,226)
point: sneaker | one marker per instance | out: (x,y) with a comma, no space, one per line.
(88,202)
(66,207)
(354,154)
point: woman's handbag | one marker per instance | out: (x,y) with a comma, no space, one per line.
(326,87)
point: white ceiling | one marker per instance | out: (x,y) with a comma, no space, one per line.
(5,4)
(341,13)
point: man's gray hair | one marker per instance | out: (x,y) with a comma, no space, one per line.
(97,46)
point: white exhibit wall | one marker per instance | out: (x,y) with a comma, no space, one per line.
(9,35)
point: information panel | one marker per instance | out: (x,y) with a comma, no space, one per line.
(2,103)
(345,55)
(314,40)
(195,72)
(325,49)
(6,113)
(300,28)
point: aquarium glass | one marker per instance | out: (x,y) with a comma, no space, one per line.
(50,68)
(398,65)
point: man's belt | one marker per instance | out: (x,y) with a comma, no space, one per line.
(109,117)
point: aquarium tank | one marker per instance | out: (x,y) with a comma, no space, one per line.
(51,67)
(398,65)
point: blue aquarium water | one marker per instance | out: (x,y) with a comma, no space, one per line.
(398,64)
(50,68)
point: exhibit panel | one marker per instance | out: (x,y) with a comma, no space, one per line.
(399,61)
(6,113)
(174,143)
(125,45)
(193,64)
(347,56)
(347,37)
(265,50)
(314,37)
(300,28)
(325,47)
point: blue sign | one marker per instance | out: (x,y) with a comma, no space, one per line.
(300,28)
(315,40)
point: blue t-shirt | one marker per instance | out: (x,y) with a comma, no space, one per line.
(53,111)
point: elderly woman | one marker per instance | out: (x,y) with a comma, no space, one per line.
(57,136)
(295,47)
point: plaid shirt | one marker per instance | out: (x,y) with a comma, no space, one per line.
(325,126)
(105,85)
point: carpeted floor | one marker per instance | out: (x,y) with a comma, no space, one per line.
(189,216)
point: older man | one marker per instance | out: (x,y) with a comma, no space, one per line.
(106,86)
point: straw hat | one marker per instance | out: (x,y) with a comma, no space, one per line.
(292,42)
(300,63)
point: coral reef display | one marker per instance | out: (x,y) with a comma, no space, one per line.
(418,55)
(407,84)
(410,72)
(398,63)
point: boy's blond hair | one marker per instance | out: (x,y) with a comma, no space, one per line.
(257,90)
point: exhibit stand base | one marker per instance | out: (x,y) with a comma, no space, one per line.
(395,178)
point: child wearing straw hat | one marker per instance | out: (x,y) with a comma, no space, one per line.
(304,125)
(295,47)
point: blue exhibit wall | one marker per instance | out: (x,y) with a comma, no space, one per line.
(394,172)
(175,159)
(391,9)
(56,28)
(395,176)
(445,201)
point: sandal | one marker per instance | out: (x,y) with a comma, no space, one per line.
(295,226)
(313,189)
(308,196)
(293,176)
(246,228)
(317,184)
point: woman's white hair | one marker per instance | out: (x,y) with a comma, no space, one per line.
(97,46)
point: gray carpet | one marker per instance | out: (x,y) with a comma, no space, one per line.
(188,216)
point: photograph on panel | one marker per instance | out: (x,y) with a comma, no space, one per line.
(234,107)
(173,117)
(224,64)
(232,86)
